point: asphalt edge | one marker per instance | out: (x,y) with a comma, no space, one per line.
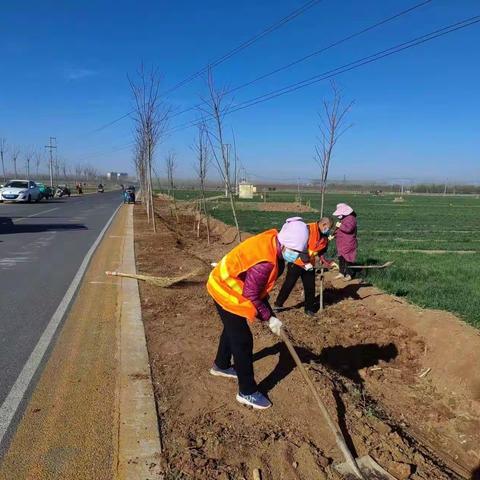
(16,395)
(139,445)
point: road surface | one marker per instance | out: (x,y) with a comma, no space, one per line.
(42,247)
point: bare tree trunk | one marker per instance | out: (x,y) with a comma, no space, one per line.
(150,188)
(171,165)
(219,148)
(27,164)
(38,159)
(202,152)
(15,155)
(331,127)
(151,118)
(2,151)
(207,219)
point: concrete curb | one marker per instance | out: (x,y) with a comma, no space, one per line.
(139,445)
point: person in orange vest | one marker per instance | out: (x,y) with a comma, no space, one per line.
(304,266)
(239,285)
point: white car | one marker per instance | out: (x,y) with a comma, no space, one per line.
(20,191)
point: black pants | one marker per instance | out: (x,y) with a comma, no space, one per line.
(344,266)
(237,341)
(308,280)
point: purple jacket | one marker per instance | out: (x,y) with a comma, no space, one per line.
(346,238)
(255,279)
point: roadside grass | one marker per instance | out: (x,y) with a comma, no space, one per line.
(436,277)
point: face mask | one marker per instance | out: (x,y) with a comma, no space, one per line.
(290,256)
(326,231)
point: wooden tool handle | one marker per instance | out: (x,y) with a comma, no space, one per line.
(127,275)
(339,438)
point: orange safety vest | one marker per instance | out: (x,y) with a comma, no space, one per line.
(316,243)
(224,284)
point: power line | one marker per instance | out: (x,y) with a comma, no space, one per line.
(109,124)
(280,23)
(359,63)
(344,68)
(315,53)
(291,16)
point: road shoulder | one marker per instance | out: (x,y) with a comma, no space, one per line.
(92,413)
(139,440)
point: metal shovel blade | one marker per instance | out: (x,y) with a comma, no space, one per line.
(370,469)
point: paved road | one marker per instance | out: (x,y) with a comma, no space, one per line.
(41,248)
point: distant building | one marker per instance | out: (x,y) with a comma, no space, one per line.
(117,175)
(246,190)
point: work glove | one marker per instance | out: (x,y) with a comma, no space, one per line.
(338,224)
(308,267)
(334,266)
(331,237)
(275,325)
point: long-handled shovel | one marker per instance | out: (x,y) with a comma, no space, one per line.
(362,468)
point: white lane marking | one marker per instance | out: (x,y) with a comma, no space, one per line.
(17,392)
(35,214)
(10,262)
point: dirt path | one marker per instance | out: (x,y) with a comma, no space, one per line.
(366,355)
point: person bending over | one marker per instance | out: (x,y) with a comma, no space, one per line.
(304,266)
(239,285)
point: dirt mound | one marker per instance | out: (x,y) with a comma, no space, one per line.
(366,355)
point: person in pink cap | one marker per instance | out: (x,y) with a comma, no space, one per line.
(239,285)
(346,239)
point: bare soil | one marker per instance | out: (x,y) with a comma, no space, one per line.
(402,382)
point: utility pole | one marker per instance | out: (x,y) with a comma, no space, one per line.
(51,146)
(2,151)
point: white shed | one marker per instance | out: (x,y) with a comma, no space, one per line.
(246,190)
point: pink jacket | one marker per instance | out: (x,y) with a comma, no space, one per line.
(346,238)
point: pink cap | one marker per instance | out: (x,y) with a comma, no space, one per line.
(294,234)
(343,209)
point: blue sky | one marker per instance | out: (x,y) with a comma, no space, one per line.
(64,66)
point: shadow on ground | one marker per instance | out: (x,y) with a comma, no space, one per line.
(476,474)
(345,360)
(334,295)
(8,227)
